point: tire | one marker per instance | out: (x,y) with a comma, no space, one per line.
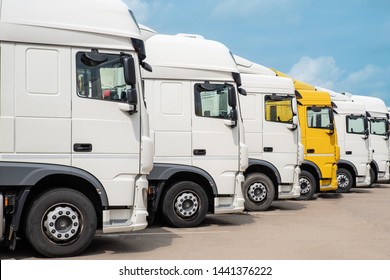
(308,185)
(373,177)
(185,204)
(259,192)
(61,223)
(344,180)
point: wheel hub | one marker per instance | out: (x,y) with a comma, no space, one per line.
(62,223)
(305,185)
(342,181)
(257,192)
(186,204)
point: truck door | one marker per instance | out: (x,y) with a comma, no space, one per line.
(379,142)
(320,139)
(105,134)
(280,134)
(215,137)
(357,141)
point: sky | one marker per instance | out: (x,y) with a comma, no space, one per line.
(339,45)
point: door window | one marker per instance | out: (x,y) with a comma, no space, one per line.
(102,81)
(212,102)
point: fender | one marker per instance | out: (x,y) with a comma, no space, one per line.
(350,164)
(20,174)
(373,162)
(163,171)
(253,161)
(313,165)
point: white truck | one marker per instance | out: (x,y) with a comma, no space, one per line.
(378,117)
(196,124)
(354,165)
(74,147)
(272,134)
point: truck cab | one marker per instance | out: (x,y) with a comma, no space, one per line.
(319,137)
(378,117)
(74,140)
(272,134)
(354,166)
(196,124)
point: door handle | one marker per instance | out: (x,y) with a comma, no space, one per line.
(268,149)
(82,147)
(199,152)
(348,152)
(311,151)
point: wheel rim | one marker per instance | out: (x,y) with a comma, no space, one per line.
(62,223)
(305,185)
(342,181)
(186,204)
(257,192)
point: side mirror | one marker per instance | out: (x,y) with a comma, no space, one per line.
(232,97)
(147,66)
(331,128)
(232,122)
(132,99)
(129,70)
(294,125)
(294,106)
(242,91)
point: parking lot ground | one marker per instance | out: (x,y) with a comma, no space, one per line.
(352,226)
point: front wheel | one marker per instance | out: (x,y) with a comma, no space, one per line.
(185,204)
(61,223)
(308,185)
(259,192)
(344,180)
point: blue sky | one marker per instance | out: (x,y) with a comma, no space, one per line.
(339,45)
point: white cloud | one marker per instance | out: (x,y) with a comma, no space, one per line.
(324,72)
(321,71)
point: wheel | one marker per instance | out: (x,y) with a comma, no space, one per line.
(61,223)
(308,185)
(185,204)
(259,192)
(344,180)
(373,177)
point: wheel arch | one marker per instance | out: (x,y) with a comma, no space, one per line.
(29,180)
(312,168)
(165,175)
(266,168)
(350,167)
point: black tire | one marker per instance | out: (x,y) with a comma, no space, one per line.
(308,185)
(61,223)
(185,204)
(373,177)
(259,192)
(344,180)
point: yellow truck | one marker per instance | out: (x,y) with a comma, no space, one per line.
(319,137)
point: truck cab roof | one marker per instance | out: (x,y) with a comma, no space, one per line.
(100,23)
(183,57)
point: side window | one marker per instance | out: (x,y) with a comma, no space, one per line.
(378,126)
(355,124)
(213,101)
(278,109)
(104,81)
(318,117)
